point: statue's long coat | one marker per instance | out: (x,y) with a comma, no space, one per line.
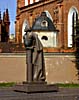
(38,60)
(35,56)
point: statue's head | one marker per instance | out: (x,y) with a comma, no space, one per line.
(27,42)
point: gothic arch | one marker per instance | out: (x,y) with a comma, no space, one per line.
(72,17)
(25,23)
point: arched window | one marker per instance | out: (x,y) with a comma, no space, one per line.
(72,18)
(25,23)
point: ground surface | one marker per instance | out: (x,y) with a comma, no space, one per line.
(62,94)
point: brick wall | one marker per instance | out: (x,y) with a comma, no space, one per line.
(60,19)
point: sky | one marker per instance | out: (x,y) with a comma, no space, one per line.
(11,5)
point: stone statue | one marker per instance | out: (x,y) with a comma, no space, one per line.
(34,57)
(35,66)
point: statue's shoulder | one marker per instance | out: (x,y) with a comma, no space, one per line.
(29,34)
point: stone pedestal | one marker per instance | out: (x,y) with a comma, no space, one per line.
(36,87)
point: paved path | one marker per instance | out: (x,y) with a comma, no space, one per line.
(62,94)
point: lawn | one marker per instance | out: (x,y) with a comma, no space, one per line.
(72,85)
(68,85)
(7,84)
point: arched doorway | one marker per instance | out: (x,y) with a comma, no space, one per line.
(25,23)
(72,18)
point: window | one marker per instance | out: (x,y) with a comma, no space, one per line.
(31,1)
(36,0)
(26,2)
(72,17)
(44,23)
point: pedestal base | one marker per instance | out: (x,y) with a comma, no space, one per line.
(36,87)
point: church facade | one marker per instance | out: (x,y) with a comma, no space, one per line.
(63,14)
(4,27)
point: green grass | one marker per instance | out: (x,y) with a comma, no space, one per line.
(68,85)
(7,84)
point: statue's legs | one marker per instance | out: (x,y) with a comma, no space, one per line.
(29,66)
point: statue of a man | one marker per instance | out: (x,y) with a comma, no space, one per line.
(35,59)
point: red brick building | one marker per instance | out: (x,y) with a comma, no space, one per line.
(4,26)
(63,13)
